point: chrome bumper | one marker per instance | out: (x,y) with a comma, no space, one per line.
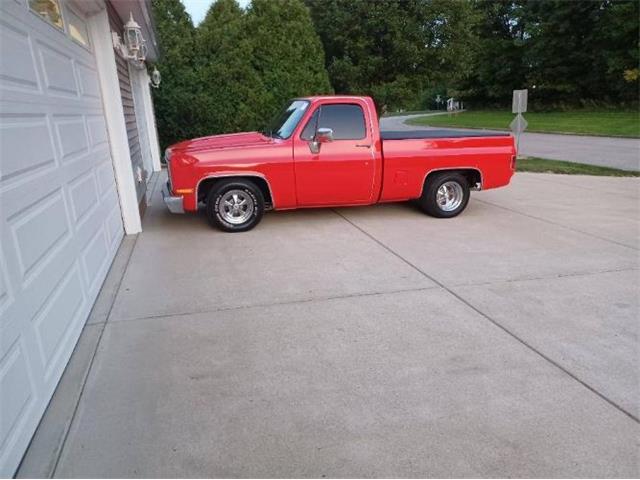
(174,204)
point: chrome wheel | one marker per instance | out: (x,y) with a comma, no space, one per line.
(449,196)
(236,207)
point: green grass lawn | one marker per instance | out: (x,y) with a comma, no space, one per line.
(622,124)
(541,165)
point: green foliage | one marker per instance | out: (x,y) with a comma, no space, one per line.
(175,108)
(568,53)
(394,49)
(231,87)
(287,53)
(237,69)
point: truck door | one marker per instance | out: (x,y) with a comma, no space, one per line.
(339,171)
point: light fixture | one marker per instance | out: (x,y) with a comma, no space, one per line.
(155,78)
(134,48)
(133,38)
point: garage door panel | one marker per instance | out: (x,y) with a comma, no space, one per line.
(59,71)
(60,221)
(18,398)
(14,43)
(72,136)
(38,231)
(104,175)
(94,257)
(97,130)
(52,321)
(88,80)
(83,192)
(21,156)
(114,229)
(4,287)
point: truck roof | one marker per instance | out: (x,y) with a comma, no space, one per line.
(336,97)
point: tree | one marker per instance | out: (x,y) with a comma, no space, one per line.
(236,69)
(567,53)
(499,65)
(564,51)
(175,108)
(287,54)
(394,49)
(620,34)
(231,90)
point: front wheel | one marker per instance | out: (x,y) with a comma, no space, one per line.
(235,205)
(445,195)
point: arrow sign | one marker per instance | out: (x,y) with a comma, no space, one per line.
(518,125)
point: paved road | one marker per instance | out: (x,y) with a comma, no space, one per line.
(623,153)
(368,342)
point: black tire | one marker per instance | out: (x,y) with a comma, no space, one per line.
(215,208)
(428,202)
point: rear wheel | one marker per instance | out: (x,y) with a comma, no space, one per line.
(235,205)
(445,195)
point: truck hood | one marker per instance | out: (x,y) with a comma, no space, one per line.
(215,142)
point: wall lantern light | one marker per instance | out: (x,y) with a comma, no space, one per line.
(155,78)
(134,48)
(133,38)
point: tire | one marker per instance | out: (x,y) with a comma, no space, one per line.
(445,195)
(247,212)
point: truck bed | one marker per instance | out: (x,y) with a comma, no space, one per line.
(437,133)
(411,155)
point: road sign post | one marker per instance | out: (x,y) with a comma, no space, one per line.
(519,106)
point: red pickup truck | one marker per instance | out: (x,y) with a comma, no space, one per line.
(329,151)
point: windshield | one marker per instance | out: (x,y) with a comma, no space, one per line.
(285,123)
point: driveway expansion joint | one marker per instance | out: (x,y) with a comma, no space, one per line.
(558,276)
(575,230)
(273,304)
(495,322)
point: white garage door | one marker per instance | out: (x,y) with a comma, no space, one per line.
(59,210)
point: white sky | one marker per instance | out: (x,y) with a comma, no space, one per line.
(198,8)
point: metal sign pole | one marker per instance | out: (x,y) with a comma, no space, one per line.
(518,106)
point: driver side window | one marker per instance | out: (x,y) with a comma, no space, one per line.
(346,121)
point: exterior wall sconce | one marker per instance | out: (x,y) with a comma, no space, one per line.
(134,48)
(155,78)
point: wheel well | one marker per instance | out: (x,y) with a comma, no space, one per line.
(473,176)
(207,184)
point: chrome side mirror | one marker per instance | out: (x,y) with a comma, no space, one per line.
(323,135)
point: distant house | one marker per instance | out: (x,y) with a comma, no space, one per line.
(78,145)
(454,105)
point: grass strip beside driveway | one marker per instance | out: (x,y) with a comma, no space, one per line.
(542,165)
(606,123)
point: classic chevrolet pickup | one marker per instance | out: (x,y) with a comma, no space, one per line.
(329,151)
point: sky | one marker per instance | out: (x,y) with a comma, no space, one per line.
(198,8)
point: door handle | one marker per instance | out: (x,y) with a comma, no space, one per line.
(363,146)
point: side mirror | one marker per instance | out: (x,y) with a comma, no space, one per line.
(324,135)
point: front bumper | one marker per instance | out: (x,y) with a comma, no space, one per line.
(174,204)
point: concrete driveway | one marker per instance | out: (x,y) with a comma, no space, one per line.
(622,153)
(366,342)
